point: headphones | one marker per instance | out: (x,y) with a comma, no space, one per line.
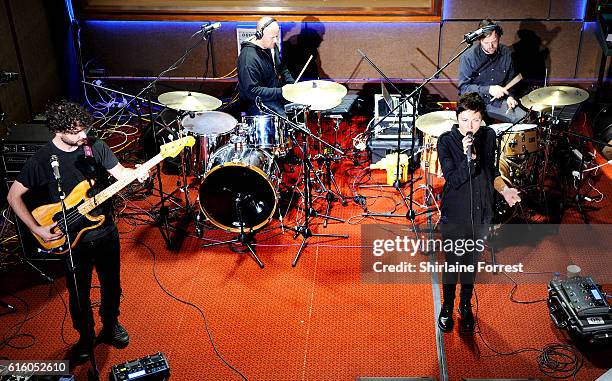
(496,28)
(259,33)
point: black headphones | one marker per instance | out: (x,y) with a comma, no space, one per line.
(259,33)
(496,28)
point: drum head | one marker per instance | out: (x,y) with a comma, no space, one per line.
(209,123)
(235,193)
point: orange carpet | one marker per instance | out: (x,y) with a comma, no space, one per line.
(217,315)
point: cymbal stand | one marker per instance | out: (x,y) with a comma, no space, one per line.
(304,229)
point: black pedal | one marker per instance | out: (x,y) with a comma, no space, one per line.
(149,368)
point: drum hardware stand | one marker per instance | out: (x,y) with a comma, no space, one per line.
(243,238)
(579,198)
(304,229)
(412,98)
(330,180)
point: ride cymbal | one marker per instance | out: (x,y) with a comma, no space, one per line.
(189,101)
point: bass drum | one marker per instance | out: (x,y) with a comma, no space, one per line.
(240,189)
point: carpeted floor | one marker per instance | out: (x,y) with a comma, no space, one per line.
(217,315)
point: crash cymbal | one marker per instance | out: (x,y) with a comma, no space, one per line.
(437,122)
(209,123)
(318,94)
(189,101)
(558,95)
(531,105)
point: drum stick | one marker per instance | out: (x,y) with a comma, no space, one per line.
(304,68)
(514,81)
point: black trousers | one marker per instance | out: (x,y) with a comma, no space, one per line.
(103,255)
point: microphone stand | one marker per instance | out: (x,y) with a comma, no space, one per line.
(93,373)
(304,229)
(410,214)
(163,224)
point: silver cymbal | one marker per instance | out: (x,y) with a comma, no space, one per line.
(189,101)
(209,123)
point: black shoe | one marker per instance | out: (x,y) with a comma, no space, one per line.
(467,318)
(445,320)
(116,336)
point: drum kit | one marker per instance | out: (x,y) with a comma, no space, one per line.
(524,149)
(237,163)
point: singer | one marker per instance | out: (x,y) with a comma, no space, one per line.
(467,157)
(485,68)
(75,158)
(261,71)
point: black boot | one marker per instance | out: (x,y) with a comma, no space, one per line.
(445,320)
(467,317)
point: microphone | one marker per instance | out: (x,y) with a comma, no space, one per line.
(475,35)
(7,76)
(55,167)
(258,103)
(469,147)
(210,27)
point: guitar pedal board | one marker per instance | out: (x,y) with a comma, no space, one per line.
(149,368)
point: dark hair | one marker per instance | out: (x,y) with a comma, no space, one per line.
(497,29)
(63,116)
(472,102)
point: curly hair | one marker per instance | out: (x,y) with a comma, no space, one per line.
(64,116)
(471,101)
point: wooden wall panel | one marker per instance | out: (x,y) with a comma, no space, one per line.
(561,38)
(146,48)
(36,27)
(12,95)
(495,9)
(567,9)
(589,57)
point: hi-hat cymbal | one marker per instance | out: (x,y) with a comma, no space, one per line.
(438,122)
(558,95)
(189,101)
(531,105)
(318,94)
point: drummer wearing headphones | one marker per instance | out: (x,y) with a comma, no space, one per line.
(261,72)
(485,69)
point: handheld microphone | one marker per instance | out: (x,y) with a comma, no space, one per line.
(469,147)
(210,27)
(55,167)
(475,35)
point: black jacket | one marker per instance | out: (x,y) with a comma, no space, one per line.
(457,173)
(260,76)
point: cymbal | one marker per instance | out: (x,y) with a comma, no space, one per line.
(438,122)
(209,123)
(529,104)
(558,95)
(189,101)
(318,94)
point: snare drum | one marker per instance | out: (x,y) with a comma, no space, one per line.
(267,132)
(212,130)
(429,157)
(240,189)
(521,139)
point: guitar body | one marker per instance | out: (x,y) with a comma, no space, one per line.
(81,223)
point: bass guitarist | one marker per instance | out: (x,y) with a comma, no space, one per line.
(78,159)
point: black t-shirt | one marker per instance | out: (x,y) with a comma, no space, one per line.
(74,167)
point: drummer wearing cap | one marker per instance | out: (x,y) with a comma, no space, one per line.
(467,157)
(261,72)
(485,69)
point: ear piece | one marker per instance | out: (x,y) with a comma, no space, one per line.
(259,33)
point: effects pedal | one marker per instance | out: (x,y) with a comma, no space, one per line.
(149,368)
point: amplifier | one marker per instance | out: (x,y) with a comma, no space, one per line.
(149,368)
(22,142)
(579,306)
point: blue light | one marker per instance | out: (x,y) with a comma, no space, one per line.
(69,10)
(581,7)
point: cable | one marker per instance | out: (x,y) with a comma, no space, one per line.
(202,313)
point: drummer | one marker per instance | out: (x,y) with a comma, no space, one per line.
(485,69)
(261,72)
